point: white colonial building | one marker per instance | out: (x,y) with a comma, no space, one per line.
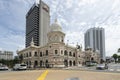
(55,54)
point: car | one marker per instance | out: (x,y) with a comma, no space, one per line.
(101,67)
(3,67)
(89,63)
(20,67)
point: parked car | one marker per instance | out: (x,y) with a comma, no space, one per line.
(3,67)
(20,67)
(89,63)
(102,66)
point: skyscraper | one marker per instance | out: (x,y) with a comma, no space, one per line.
(37,24)
(95,39)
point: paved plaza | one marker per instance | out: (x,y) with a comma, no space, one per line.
(58,75)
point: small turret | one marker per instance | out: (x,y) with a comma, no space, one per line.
(32,42)
(79,47)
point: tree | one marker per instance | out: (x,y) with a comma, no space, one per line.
(11,63)
(16,60)
(119,58)
(115,56)
(21,58)
(118,50)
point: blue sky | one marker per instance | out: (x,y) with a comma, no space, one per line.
(75,16)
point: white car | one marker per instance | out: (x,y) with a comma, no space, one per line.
(20,67)
(3,67)
(101,66)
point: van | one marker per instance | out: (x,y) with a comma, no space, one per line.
(20,67)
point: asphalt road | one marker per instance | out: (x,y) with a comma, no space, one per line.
(58,75)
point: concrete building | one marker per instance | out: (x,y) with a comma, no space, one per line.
(95,39)
(37,24)
(6,55)
(55,53)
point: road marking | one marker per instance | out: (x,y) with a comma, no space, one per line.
(43,75)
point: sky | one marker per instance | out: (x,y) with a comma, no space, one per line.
(75,17)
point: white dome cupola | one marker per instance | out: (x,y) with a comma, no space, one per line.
(56,26)
(56,35)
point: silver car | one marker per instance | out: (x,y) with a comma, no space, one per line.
(3,67)
(20,67)
(101,66)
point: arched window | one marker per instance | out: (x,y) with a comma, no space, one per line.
(35,54)
(26,54)
(29,54)
(61,51)
(56,52)
(29,62)
(65,52)
(40,54)
(70,54)
(73,54)
(46,52)
(62,39)
(74,63)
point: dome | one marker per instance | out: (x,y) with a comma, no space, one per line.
(56,26)
(97,51)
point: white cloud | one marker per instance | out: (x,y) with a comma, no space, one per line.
(12,42)
(1,49)
(92,13)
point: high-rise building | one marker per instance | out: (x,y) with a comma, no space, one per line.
(6,55)
(95,39)
(37,24)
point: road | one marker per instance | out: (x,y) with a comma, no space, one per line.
(58,75)
(114,67)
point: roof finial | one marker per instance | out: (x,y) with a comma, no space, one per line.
(32,42)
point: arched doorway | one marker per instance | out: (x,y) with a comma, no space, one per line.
(66,63)
(46,64)
(41,63)
(74,63)
(70,63)
(29,64)
(35,64)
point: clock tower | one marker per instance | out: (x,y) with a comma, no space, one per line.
(56,35)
